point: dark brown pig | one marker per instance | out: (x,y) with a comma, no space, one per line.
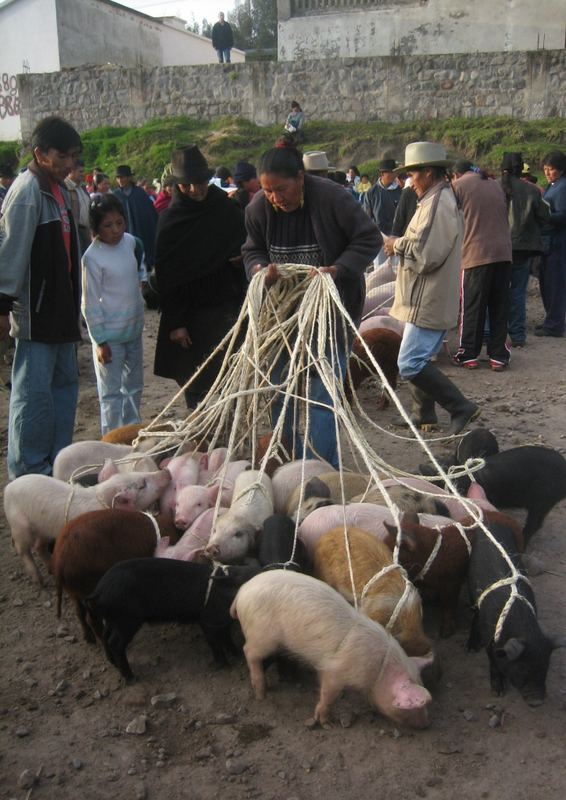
(90,544)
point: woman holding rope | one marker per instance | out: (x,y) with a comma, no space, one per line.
(303,219)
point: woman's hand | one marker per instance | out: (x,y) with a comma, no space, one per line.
(104,353)
(181,337)
(271,275)
(332,271)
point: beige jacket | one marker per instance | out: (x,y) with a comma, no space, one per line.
(427,292)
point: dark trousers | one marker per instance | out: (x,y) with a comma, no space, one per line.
(485,289)
(552,280)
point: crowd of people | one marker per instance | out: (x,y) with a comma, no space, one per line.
(461,243)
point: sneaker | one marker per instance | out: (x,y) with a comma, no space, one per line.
(497,366)
(471,363)
(518,344)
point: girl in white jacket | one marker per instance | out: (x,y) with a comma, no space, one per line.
(113,268)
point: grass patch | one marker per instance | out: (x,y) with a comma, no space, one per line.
(226,140)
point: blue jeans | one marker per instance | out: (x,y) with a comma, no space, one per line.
(224,55)
(120,385)
(517,313)
(418,346)
(322,422)
(43,402)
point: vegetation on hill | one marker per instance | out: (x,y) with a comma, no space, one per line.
(227,140)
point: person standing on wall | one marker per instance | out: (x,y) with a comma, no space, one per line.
(141,216)
(40,289)
(222,39)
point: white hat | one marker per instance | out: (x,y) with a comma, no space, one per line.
(424,154)
(315,160)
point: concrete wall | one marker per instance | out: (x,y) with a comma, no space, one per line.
(312,29)
(94,32)
(29,43)
(523,85)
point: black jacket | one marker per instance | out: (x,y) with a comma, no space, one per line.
(222,36)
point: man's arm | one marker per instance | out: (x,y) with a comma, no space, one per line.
(17,231)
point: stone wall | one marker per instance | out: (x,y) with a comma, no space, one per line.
(526,85)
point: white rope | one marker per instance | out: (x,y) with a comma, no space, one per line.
(296,320)
(514,595)
(155,525)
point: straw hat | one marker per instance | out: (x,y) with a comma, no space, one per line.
(424,154)
(315,160)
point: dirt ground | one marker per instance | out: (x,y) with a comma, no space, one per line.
(186,730)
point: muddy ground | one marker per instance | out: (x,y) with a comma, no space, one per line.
(186,730)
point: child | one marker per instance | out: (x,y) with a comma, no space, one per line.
(113,268)
(364,185)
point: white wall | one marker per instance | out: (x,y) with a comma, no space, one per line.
(180,47)
(413,27)
(95,32)
(28,44)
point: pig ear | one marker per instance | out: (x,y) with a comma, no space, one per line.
(109,469)
(410,517)
(213,492)
(407,538)
(511,650)
(164,462)
(316,488)
(202,459)
(421,662)
(123,500)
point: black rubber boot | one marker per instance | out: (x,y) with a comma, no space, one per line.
(436,385)
(422,414)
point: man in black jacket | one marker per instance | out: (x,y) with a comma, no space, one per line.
(40,289)
(222,39)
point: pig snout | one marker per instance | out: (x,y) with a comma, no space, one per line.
(212,551)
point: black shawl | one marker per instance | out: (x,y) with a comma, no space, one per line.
(195,239)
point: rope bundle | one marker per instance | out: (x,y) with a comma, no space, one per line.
(299,320)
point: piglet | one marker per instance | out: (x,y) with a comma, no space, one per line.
(531,477)
(324,490)
(289,476)
(146,590)
(191,502)
(384,346)
(84,457)
(285,610)
(279,546)
(37,506)
(234,534)
(520,652)
(368,556)
(91,543)
(190,546)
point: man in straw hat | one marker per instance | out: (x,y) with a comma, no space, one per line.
(427,291)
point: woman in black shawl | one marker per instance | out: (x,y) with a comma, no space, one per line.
(199,273)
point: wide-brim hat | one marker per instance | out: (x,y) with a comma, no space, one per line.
(424,154)
(387,165)
(124,171)
(188,165)
(315,160)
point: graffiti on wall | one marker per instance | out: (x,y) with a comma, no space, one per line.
(9,99)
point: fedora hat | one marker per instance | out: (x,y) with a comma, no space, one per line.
(124,171)
(315,160)
(188,165)
(424,154)
(387,165)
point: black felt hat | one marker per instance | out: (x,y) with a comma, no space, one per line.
(124,171)
(387,165)
(188,165)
